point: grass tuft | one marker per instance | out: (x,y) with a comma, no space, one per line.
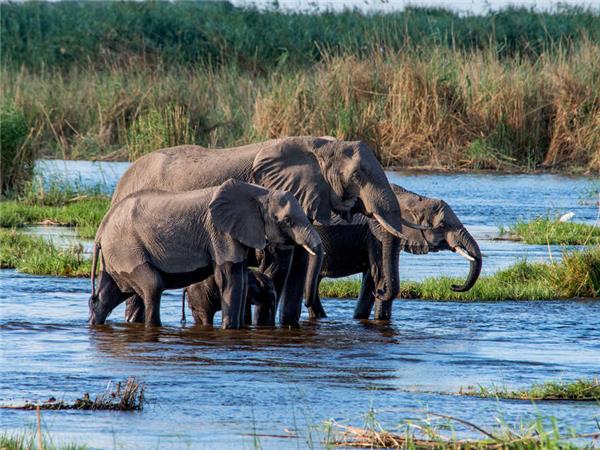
(37,256)
(578,390)
(544,231)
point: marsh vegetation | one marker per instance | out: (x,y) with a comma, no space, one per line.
(511,90)
(578,390)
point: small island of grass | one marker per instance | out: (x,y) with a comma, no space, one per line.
(578,390)
(542,231)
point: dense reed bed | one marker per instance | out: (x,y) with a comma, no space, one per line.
(514,90)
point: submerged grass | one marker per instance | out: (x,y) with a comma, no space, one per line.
(543,231)
(438,431)
(37,256)
(576,275)
(578,390)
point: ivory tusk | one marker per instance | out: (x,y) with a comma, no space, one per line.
(390,229)
(308,249)
(462,252)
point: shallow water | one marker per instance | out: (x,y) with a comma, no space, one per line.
(213,389)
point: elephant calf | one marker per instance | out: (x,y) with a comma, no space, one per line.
(204,300)
(152,240)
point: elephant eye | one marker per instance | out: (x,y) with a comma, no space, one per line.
(356,176)
(287,220)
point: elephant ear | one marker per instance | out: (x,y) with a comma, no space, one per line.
(234,210)
(291,166)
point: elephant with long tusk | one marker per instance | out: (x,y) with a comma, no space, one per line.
(366,247)
(327,176)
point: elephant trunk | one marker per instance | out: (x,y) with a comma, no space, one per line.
(390,249)
(465,245)
(313,245)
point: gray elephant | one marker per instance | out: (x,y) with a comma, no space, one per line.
(325,175)
(152,240)
(204,300)
(365,247)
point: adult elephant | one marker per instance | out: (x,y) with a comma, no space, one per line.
(365,247)
(325,175)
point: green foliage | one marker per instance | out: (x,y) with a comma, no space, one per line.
(37,256)
(67,34)
(543,231)
(578,390)
(16,162)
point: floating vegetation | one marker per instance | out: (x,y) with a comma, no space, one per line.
(578,390)
(127,396)
(544,231)
(432,433)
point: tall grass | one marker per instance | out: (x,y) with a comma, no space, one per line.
(444,109)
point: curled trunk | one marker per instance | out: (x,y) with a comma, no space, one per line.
(463,240)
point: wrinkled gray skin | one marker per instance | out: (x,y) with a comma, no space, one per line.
(360,248)
(153,240)
(325,175)
(204,300)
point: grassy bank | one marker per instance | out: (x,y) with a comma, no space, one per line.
(543,231)
(85,214)
(578,390)
(37,256)
(577,275)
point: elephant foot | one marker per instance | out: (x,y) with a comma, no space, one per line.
(316,312)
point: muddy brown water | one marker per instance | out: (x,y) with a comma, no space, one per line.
(214,389)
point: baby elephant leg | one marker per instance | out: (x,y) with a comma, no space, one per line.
(262,294)
(134,309)
(204,300)
(149,285)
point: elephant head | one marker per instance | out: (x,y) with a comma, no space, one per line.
(446,232)
(256,216)
(328,175)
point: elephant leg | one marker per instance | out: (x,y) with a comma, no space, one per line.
(366,298)
(134,310)
(248,313)
(232,278)
(149,285)
(383,310)
(291,301)
(276,264)
(316,311)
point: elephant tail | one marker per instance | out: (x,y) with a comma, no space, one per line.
(183,306)
(95,253)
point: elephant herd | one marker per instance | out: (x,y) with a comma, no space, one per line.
(295,209)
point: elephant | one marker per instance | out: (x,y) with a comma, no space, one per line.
(153,240)
(324,174)
(204,300)
(360,247)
